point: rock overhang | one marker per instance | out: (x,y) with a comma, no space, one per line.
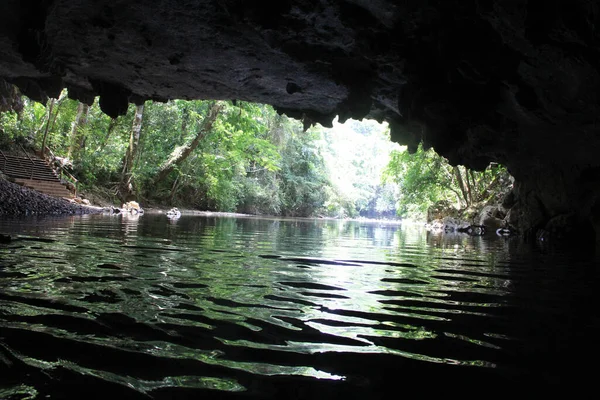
(480,81)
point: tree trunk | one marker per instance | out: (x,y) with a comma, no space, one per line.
(173,190)
(469,187)
(461,184)
(185,116)
(50,126)
(181,153)
(111,127)
(76,127)
(50,107)
(476,186)
(126,186)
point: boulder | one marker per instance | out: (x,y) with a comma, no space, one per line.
(440,210)
(453,224)
(132,207)
(491,217)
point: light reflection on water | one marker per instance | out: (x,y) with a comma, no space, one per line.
(152,307)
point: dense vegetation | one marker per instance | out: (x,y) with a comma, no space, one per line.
(424,178)
(239,156)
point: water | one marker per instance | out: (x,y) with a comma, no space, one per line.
(97,307)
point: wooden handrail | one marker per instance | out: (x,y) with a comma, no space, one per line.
(64,171)
(76,182)
(19,161)
(27,154)
(5,159)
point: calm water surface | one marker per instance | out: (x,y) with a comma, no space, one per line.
(206,307)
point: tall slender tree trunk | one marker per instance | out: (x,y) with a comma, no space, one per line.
(50,108)
(50,119)
(461,184)
(185,116)
(76,129)
(469,187)
(181,153)
(111,127)
(126,186)
(174,190)
(476,186)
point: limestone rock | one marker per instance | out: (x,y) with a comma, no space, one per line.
(440,210)
(132,207)
(491,218)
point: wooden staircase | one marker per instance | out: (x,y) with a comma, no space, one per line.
(34,173)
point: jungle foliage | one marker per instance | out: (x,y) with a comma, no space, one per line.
(238,156)
(425,178)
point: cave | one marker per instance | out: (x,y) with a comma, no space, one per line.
(480,81)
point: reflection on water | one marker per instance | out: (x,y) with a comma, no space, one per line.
(272,308)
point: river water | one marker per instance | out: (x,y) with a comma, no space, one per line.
(222,307)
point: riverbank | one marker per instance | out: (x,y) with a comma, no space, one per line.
(19,200)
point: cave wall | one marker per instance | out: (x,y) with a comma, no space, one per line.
(479,80)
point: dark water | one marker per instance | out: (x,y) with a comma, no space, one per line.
(100,307)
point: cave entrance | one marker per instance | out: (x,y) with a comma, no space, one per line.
(237,156)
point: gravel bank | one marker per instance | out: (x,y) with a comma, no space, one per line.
(19,200)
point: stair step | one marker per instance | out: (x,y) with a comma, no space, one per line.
(24,165)
(40,178)
(56,193)
(35,174)
(58,186)
(28,178)
(53,192)
(25,171)
(50,190)
(37,182)
(20,167)
(28,167)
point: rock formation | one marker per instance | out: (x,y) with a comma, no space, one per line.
(515,82)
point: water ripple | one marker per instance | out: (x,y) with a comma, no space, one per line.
(224,305)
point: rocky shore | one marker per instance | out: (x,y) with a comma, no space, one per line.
(492,218)
(19,200)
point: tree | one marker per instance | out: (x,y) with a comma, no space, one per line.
(303,178)
(355,154)
(77,138)
(241,157)
(425,178)
(126,188)
(181,153)
(51,120)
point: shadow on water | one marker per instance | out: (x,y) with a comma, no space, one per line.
(146,307)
